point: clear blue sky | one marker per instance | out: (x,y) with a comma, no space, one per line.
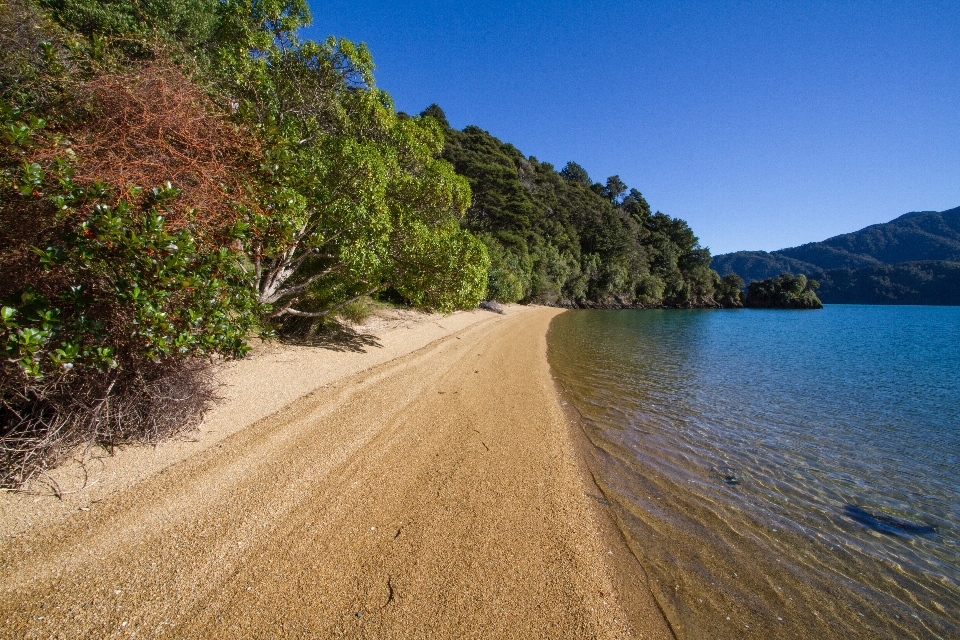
(763,124)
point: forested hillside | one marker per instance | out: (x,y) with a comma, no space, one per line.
(926,235)
(910,260)
(558,237)
(931,282)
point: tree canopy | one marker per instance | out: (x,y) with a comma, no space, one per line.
(786,291)
(559,238)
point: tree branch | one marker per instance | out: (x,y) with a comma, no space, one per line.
(320,314)
(306,283)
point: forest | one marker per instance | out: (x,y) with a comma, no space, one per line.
(558,237)
(179,176)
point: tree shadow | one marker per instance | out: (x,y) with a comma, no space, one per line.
(329,334)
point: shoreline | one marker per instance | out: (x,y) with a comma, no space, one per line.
(441,492)
(631,578)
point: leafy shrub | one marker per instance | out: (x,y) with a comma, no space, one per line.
(105,310)
(355,311)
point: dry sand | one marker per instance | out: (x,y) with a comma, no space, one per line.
(429,487)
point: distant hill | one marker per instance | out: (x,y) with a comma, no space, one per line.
(913,259)
(929,282)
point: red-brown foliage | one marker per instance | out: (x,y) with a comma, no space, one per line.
(153,125)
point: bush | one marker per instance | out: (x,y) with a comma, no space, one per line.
(355,311)
(106,311)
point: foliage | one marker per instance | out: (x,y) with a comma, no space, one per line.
(558,238)
(135,29)
(729,291)
(356,199)
(786,291)
(934,282)
(108,264)
(504,277)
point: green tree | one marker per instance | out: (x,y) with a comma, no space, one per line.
(614,189)
(729,291)
(573,172)
(357,200)
(434,111)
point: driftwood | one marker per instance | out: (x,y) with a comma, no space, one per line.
(493,305)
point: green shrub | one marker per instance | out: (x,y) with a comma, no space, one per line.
(105,311)
(356,311)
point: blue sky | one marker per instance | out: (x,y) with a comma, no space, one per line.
(763,124)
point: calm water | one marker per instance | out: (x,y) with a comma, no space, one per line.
(789,474)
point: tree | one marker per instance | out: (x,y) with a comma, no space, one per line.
(636,205)
(357,200)
(434,111)
(614,189)
(729,291)
(573,172)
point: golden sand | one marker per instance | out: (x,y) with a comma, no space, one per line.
(428,488)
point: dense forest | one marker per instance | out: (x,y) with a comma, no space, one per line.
(558,237)
(783,292)
(914,259)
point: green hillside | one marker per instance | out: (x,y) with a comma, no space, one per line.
(928,282)
(909,260)
(558,237)
(917,236)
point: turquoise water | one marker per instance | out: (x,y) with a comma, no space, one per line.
(780,473)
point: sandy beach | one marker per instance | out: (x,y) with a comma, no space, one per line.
(422,482)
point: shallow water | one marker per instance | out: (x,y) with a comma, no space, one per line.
(790,474)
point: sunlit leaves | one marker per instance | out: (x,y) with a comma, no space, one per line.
(357,199)
(121,287)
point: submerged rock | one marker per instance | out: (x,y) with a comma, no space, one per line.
(728,474)
(889,525)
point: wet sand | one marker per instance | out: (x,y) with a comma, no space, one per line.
(437,494)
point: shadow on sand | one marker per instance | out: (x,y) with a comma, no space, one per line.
(330,335)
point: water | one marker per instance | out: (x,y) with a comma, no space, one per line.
(789,474)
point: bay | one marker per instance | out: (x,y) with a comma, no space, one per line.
(787,474)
